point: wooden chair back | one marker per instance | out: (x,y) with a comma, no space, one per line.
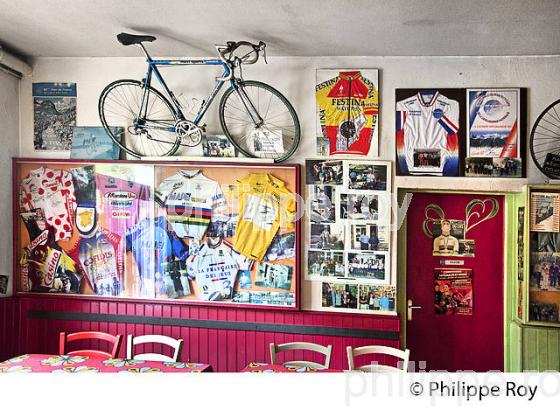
(73,337)
(403,355)
(325,350)
(175,344)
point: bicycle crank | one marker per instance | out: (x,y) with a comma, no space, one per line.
(189,132)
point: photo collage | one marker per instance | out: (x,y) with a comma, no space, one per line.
(348,232)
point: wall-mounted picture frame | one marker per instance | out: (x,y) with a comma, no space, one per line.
(347,112)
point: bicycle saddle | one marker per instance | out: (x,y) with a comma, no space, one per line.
(128,39)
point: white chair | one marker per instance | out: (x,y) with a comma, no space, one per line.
(376,367)
(175,344)
(302,346)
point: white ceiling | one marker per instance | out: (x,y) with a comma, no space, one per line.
(76,28)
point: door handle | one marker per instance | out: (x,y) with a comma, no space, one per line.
(410,307)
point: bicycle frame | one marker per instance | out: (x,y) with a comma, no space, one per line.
(226,76)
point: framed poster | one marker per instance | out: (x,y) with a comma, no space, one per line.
(94,143)
(348,229)
(453,291)
(54,115)
(347,112)
(182,232)
(494,136)
(430,131)
(545,211)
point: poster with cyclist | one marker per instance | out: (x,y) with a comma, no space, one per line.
(493,143)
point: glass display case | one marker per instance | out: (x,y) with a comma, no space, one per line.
(188,232)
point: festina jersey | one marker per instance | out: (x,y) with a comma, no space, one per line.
(215,270)
(101,259)
(52,191)
(155,248)
(427,140)
(120,201)
(265,205)
(348,107)
(192,201)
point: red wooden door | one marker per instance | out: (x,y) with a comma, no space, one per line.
(447,340)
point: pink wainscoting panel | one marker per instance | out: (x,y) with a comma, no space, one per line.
(225,349)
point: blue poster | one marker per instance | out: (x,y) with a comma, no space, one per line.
(94,143)
(54,112)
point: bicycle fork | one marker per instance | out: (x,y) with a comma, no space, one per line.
(248,104)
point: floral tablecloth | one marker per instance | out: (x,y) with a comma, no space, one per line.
(43,363)
(279,368)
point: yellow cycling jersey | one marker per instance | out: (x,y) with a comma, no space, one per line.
(347,108)
(265,205)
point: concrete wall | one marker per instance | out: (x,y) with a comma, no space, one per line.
(295,77)
(9,144)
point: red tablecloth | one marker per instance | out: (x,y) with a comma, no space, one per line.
(279,368)
(45,363)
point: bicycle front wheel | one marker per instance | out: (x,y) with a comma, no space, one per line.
(545,139)
(141,123)
(259,121)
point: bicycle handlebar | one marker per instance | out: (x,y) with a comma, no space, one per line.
(250,58)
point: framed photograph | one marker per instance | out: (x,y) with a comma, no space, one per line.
(368,237)
(340,296)
(493,167)
(217,146)
(282,247)
(358,207)
(274,276)
(377,298)
(4,279)
(327,237)
(545,272)
(323,172)
(95,143)
(543,312)
(326,264)
(367,176)
(447,234)
(322,204)
(347,111)
(368,266)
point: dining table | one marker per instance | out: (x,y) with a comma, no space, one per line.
(49,363)
(255,367)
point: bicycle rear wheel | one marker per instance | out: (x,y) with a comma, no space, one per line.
(277,137)
(150,134)
(545,138)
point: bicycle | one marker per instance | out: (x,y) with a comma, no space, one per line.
(257,119)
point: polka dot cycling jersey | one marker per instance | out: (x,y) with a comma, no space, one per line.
(52,191)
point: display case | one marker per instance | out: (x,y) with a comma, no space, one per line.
(543,275)
(188,232)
